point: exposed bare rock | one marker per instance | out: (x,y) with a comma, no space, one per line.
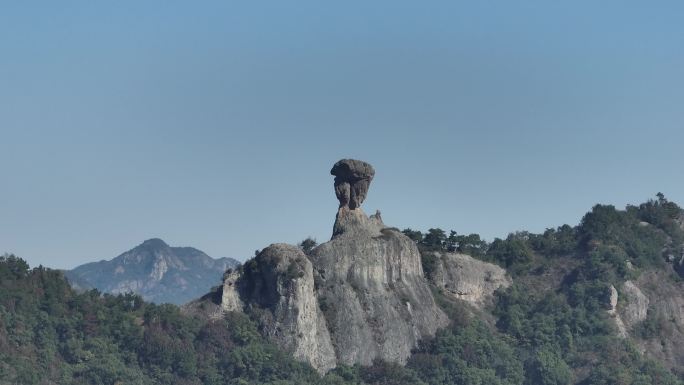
(613,300)
(230,298)
(352,180)
(635,307)
(379,304)
(612,311)
(351,223)
(665,310)
(279,284)
(359,297)
(370,279)
(466,278)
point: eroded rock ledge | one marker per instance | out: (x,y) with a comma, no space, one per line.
(466,278)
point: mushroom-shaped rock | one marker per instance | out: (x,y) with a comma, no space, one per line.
(359,297)
(352,179)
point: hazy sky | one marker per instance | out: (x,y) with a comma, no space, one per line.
(214,124)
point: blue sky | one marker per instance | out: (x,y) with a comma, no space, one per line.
(214,124)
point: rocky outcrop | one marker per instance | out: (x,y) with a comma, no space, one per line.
(630,311)
(661,305)
(355,223)
(654,298)
(230,297)
(279,285)
(359,297)
(612,311)
(352,180)
(466,278)
(378,303)
(635,308)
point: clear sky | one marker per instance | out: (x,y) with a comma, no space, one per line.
(214,124)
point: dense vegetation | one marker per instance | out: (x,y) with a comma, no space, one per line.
(50,334)
(631,239)
(564,335)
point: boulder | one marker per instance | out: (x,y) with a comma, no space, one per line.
(352,180)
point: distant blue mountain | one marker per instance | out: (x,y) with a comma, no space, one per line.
(156,271)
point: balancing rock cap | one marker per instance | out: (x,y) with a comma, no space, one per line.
(352,180)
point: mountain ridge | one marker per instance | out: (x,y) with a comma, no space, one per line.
(556,324)
(156,271)
(593,304)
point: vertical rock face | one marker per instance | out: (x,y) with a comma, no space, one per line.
(360,296)
(612,311)
(280,281)
(378,303)
(466,278)
(636,304)
(655,297)
(230,299)
(370,278)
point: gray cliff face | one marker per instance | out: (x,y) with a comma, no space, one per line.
(655,297)
(613,312)
(280,281)
(631,310)
(358,297)
(635,309)
(466,278)
(230,296)
(380,302)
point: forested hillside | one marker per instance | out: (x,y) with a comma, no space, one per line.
(557,312)
(551,326)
